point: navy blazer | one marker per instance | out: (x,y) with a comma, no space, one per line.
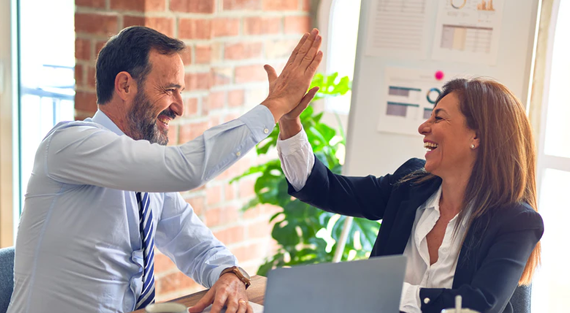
(493,255)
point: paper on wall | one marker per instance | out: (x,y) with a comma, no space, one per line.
(468,31)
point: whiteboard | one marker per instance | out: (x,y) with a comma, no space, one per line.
(378,152)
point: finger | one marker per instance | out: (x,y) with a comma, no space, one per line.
(296,50)
(219,302)
(249,309)
(304,102)
(311,54)
(271,73)
(306,46)
(312,68)
(242,306)
(232,305)
(206,300)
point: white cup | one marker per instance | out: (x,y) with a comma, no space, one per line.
(166,308)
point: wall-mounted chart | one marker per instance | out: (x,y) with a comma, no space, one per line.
(410,97)
(468,31)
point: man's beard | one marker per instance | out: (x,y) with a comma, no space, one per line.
(142,122)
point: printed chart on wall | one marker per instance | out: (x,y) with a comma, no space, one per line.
(399,28)
(410,96)
(468,31)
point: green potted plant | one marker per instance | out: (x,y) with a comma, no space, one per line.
(305,234)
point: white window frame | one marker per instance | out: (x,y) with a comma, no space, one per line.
(8,122)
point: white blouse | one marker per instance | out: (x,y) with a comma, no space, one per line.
(297,161)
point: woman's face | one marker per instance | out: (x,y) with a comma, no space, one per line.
(448,140)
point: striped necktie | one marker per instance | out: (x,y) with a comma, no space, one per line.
(146,229)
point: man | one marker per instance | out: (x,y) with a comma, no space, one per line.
(104,191)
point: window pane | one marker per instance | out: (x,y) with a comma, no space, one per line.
(558,115)
(551,285)
(47,76)
(343,32)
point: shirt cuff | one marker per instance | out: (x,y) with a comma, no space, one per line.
(410,302)
(293,144)
(260,122)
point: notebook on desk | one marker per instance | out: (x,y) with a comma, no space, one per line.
(373,285)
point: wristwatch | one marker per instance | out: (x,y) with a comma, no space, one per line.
(240,273)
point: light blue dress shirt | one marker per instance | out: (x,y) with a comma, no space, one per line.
(78,247)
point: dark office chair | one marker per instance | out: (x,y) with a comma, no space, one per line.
(6,277)
(521,299)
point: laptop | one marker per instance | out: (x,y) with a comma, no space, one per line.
(373,285)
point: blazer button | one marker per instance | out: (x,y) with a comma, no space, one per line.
(426,300)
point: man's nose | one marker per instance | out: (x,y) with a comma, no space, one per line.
(178,106)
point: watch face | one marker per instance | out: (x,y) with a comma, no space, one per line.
(244,273)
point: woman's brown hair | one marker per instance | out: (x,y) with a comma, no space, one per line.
(505,168)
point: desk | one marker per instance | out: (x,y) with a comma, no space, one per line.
(255,293)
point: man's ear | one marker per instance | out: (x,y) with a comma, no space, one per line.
(125,86)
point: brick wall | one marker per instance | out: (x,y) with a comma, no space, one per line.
(228,43)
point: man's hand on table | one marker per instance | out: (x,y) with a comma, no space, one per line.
(228,291)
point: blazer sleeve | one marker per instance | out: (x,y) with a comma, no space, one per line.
(354,196)
(501,268)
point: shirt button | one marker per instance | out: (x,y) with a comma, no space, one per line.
(238,153)
(266,130)
(426,300)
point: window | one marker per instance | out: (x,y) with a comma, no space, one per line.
(47,76)
(552,282)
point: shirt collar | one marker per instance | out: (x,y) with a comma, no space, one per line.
(102,119)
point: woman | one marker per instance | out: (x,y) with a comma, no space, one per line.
(465,217)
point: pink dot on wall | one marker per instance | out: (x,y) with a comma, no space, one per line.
(439,75)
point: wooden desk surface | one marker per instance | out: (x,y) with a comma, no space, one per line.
(255,293)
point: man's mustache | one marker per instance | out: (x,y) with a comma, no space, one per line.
(168,113)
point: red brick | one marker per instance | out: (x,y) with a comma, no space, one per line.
(79,75)
(229,189)
(91,80)
(203,54)
(297,24)
(216,52)
(197,81)
(213,194)
(242,5)
(230,117)
(164,25)
(252,213)
(155,5)
(197,204)
(139,5)
(230,214)
(82,49)
(259,230)
(98,47)
(162,263)
(190,107)
(231,235)
(172,135)
(277,49)
(235,98)
(90,3)
(221,76)
(97,24)
(193,6)
(191,131)
(128,5)
(248,252)
(80,116)
(280,5)
(194,29)
(243,50)
(250,73)
(262,25)
(86,101)
(186,56)
(213,217)
(174,282)
(216,100)
(246,190)
(224,27)
(129,20)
